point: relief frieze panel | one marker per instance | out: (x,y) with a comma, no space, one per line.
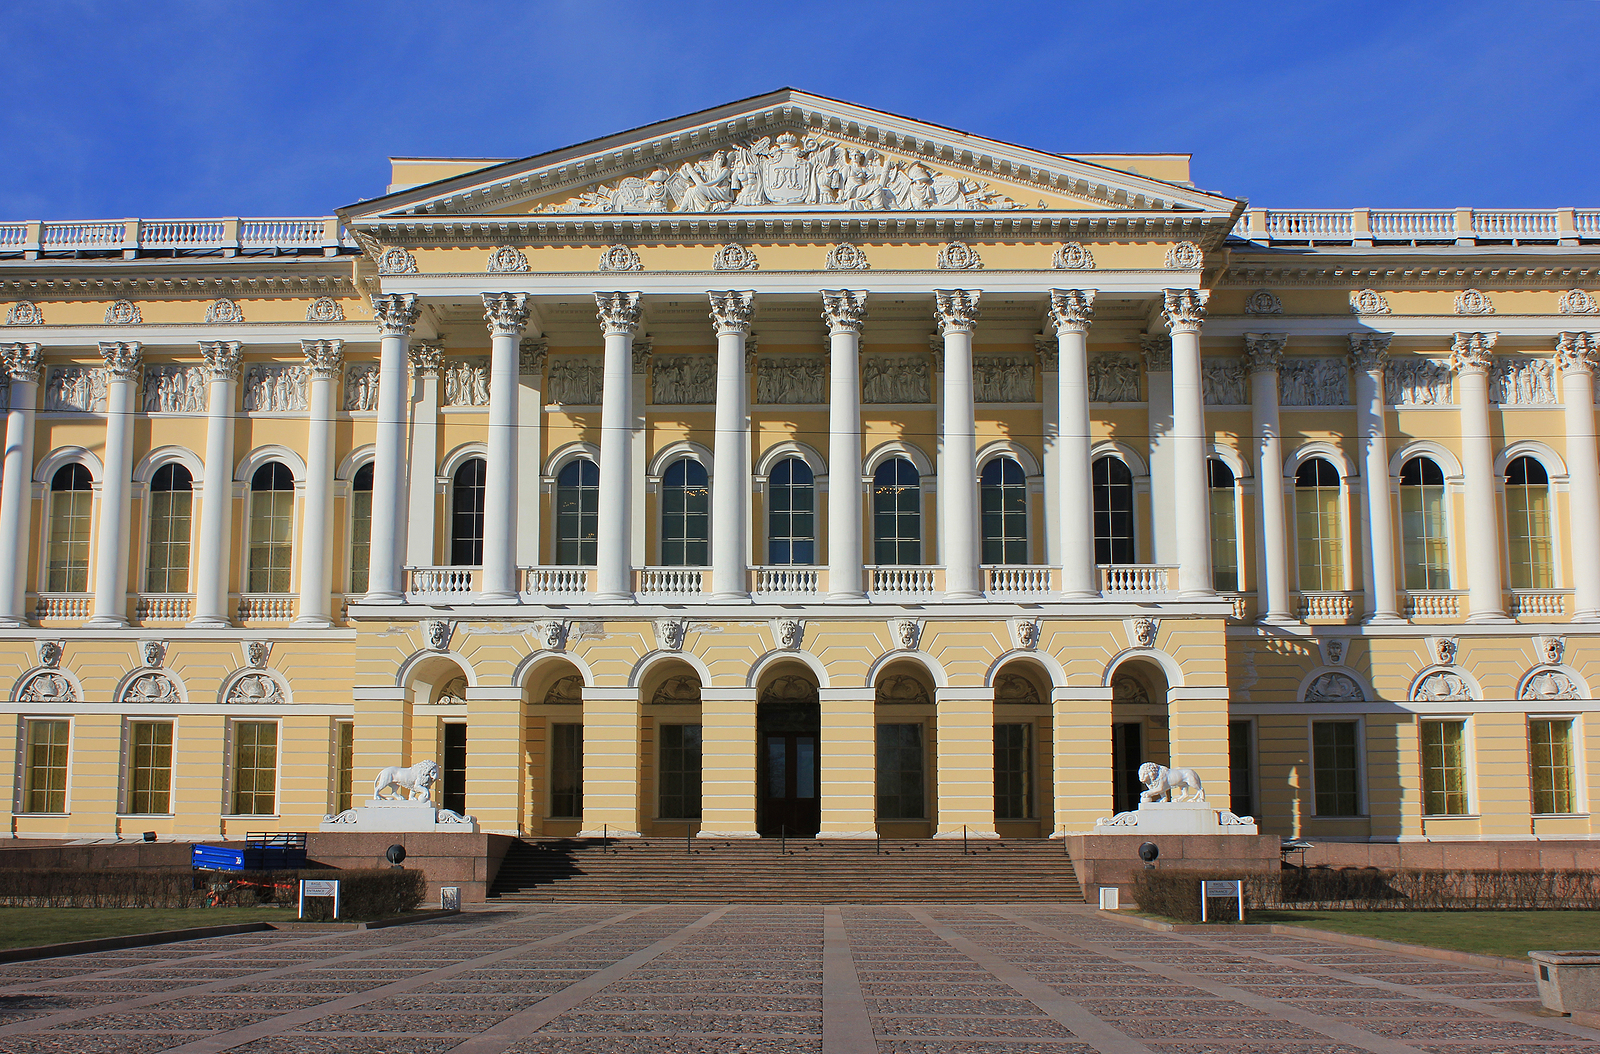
(790,379)
(895,379)
(174,389)
(1517,380)
(75,388)
(361,386)
(1222,379)
(1321,381)
(274,388)
(1417,382)
(1002,379)
(575,380)
(466,381)
(1113,379)
(683,380)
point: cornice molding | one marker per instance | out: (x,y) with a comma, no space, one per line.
(1400,279)
(200,288)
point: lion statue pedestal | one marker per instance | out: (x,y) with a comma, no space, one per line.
(1174,802)
(399,814)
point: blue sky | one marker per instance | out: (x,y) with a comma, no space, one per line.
(206,108)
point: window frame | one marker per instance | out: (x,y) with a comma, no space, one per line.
(343,798)
(556,487)
(231,784)
(1236,489)
(452,539)
(1345,525)
(1469,773)
(551,724)
(130,767)
(246,565)
(1023,489)
(148,536)
(900,516)
(1447,498)
(927,770)
(1552,519)
(1110,535)
(1362,812)
(91,522)
(1030,769)
(768,488)
(368,467)
(24,784)
(661,769)
(1580,799)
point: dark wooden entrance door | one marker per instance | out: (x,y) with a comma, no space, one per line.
(790,803)
(454,774)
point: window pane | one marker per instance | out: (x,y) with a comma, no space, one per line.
(150,767)
(566,770)
(1319,526)
(900,773)
(71,503)
(1224,528)
(167,557)
(791,501)
(1528,525)
(255,768)
(1113,512)
(1444,768)
(344,779)
(360,528)
(577,513)
(1003,496)
(1425,548)
(45,788)
(1550,742)
(685,504)
(680,773)
(466,514)
(897,513)
(1336,768)
(1013,772)
(1241,777)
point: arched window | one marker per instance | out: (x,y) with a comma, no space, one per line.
(466,514)
(685,515)
(1425,543)
(897,513)
(1528,525)
(171,503)
(1113,512)
(1224,527)
(791,514)
(360,528)
(271,529)
(71,498)
(1319,525)
(1003,494)
(577,512)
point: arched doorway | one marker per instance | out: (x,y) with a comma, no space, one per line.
(553,694)
(1139,728)
(438,727)
(788,755)
(906,759)
(670,750)
(1023,807)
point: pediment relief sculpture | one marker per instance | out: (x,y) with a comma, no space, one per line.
(1549,684)
(1334,687)
(1442,686)
(152,687)
(788,172)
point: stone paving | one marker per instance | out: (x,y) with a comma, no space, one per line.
(924,979)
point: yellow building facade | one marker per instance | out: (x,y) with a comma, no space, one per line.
(794,468)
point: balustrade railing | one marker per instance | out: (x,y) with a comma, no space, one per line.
(13,235)
(441,581)
(1242,603)
(1587,223)
(671,581)
(183,234)
(555,581)
(1011,580)
(1412,224)
(1539,603)
(1326,607)
(266,607)
(91,235)
(789,580)
(1120,579)
(64,606)
(227,234)
(1433,603)
(1363,226)
(163,607)
(904,581)
(1309,226)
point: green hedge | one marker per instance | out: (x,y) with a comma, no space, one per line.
(1176,894)
(364,894)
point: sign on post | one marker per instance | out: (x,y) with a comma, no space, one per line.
(318,887)
(450,898)
(1221,890)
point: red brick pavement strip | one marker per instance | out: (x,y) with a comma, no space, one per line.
(846,1027)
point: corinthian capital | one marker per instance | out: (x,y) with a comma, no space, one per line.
(1472,351)
(844,310)
(1157,353)
(22,362)
(730,310)
(1071,309)
(1185,308)
(324,358)
(618,312)
(124,359)
(395,313)
(223,359)
(427,358)
(1575,352)
(956,309)
(1263,352)
(1369,352)
(506,313)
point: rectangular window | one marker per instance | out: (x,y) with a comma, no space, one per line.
(360,539)
(150,767)
(1531,549)
(1224,539)
(901,794)
(1320,532)
(255,768)
(1444,768)
(1127,754)
(1241,769)
(271,541)
(566,770)
(680,773)
(1426,543)
(167,566)
(69,541)
(1013,772)
(1336,768)
(1554,773)
(45,781)
(345,765)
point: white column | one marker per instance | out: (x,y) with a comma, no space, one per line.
(1049,520)
(957,312)
(532,353)
(1471,356)
(396,315)
(124,371)
(1186,310)
(1369,353)
(1157,350)
(1576,354)
(222,361)
(16,484)
(506,314)
(1072,310)
(844,310)
(619,318)
(1263,352)
(730,454)
(324,365)
(425,361)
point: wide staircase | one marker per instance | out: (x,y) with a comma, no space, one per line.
(798,871)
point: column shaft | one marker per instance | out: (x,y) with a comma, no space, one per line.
(506,314)
(1263,352)
(1072,310)
(845,311)
(124,370)
(619,315)
(1158,413)
(1576,355)
(16,485)
(1185,309)
(1368,354)
(325,363)
(958,490)
(214,568)
(426,359)
(730,465)
(396,314)
(1471,358)
(530,442)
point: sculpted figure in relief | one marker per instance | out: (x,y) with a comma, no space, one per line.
(574,380)
(466,381)
(47,687)
(173,389)
(1223,381)
(1550,684)
(1113,379)
(275,388)
(894,379)
(1416,382)
(683,380)
(1002,379)
(80,388)
(1441,686)
(361,387)
(1516,380)
(1334,688)
(790,380)
(1313,382)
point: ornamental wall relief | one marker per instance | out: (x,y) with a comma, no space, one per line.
(790,173)
(1113,379)
(1440,686)
(1002,379)
(620,258)
(255,686)
(1323,381)
(1073,257)
(324,309)
(575,380)
(224,310)
(153,686)
(27,313)
(361,386)
(275,388)
(75,388)
(1518,380)
(466,381)
(46,686)
(1573,302)
(683,380)
(1369,302)
(1417,382)
(1263,302)
(1334,687)
(790,379)
(846,257)
(1548,683)
(894,379)
(1222,379)
(174,389)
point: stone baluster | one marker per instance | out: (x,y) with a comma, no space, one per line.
(619,318)
(426,360)
(124,373)
(22,364)
(324,367)
(507,315)
(223,359)
(1577,354)
(844,310)
(1471,356)
(396,315)
(957,314)
(1263,352)
(730,466)
(1072,310)
(1369,355)
(1185,311)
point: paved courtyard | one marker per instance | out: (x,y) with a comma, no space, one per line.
(761,980)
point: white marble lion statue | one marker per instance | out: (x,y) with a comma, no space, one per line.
(418,779)
(1173,784)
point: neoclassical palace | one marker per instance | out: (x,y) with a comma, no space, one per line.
(794,468)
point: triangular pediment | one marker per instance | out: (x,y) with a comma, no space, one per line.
(787,152)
